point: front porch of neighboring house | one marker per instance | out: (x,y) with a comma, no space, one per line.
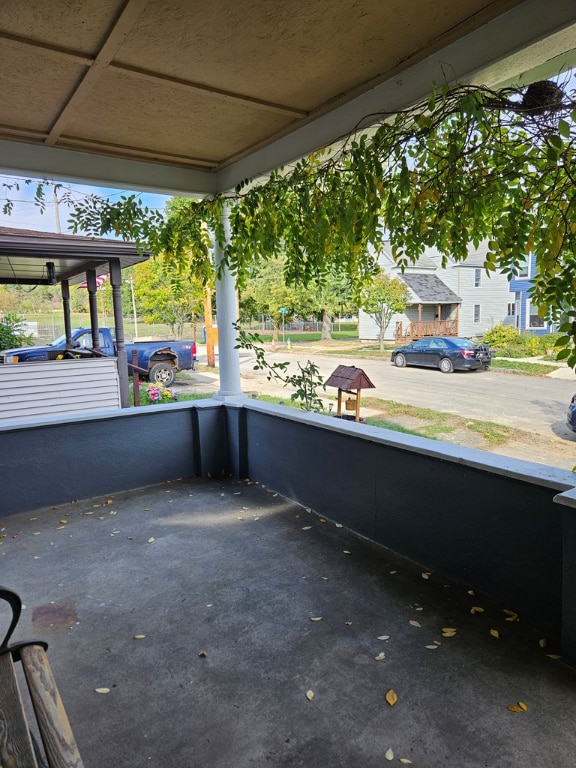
(428,320)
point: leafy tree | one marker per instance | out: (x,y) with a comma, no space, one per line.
(468,164)
(164,297)
(382,298)
(11,334)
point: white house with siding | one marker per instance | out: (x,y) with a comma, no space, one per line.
(458,299)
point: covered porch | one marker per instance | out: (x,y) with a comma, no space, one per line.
(239,591)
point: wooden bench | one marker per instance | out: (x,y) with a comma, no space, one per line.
(18,746)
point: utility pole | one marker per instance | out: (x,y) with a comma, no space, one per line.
(210,358)
(56,209)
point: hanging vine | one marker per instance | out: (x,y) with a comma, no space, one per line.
(469,164)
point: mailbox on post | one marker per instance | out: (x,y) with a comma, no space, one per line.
(349,380)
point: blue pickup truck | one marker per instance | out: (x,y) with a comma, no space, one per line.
(157,360)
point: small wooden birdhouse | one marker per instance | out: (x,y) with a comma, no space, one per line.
(349,380)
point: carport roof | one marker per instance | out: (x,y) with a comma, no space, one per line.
(24,254)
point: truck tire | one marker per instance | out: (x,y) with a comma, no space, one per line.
(162,373)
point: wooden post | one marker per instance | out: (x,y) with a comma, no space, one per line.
(339,409)
(210,359)
(357,405)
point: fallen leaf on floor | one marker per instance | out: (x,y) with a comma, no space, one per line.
(239,518)
(113,512)
(515,708)
(338,525)
(139,637)
(415,623)
(543,642)
(308,509)
(315,618)
(307,528)
(380,657)
(476,609)
(495,633)
(471,592)
(384,637)
(324,578)
(202,655)
(102,690)
(523,706)
(310,695)
(426,575)
(151,539)
(346,551)
(553,656)
(348,623)
(63,522)
(432,647)
(322,520)
(389,755)
(405,761)
(109,501)
(391,697)
(393,572)
(449,631)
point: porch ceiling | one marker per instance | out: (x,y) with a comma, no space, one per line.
(211,93)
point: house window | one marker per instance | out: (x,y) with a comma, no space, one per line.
(524,267)
(476,313)
(534,320)
(512,309)
(477,278)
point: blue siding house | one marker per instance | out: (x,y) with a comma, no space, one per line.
(521,312)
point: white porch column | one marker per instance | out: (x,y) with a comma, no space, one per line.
(228,357)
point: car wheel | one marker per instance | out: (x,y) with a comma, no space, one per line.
(400,361)
(162,373)
(446,365)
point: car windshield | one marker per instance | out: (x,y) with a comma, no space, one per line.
(58,341)
(464,343)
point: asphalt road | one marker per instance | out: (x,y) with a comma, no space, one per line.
(531,403)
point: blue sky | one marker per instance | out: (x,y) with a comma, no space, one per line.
(27,215)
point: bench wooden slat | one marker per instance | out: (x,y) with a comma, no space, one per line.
(16,750)
(55,730)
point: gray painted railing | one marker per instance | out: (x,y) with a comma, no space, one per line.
(488,521)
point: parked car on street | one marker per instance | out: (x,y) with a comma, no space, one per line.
(445,352)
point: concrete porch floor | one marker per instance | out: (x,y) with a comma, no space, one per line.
(247,602)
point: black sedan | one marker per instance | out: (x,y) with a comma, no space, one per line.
(445,352)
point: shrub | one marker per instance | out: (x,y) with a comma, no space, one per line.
(501,336)
(11,332)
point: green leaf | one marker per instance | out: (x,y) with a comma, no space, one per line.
(564,128)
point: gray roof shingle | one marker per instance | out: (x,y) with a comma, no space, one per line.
(429,289)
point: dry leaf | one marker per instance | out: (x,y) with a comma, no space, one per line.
(471,592)
(310,695)
(553,656)
(151,539)
(415,623)
(391,697)
(315,618)
(431,647)
(109,501)
(495,633)
(405,761)
(384,637)
(102,690)
(307,528)
(389,755)
(139,637)
(523,706)
(239,518)
(202,655)
(515,708)
(63,522)
(348,623)
(393,572)
(543,642)
(426,575)
(338,525)
(449,631)
(380,656)
(508,612)
(476,609)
